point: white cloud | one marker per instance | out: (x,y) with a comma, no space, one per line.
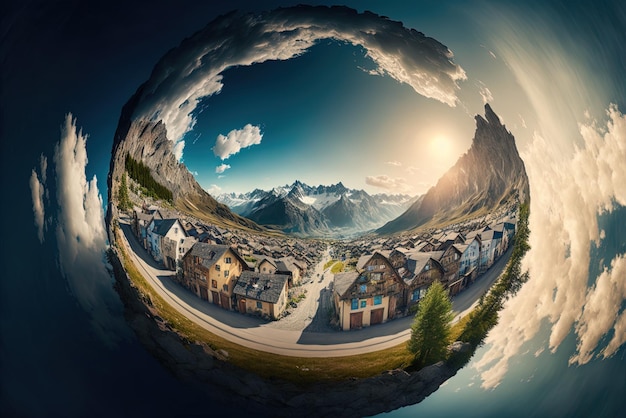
(81,236)
(396,184)
(412,170)
(568,193)
(194,70)
(485,93)
(235,141)
(43,166)
(394,163)
(214,190)
(37,191)
(221,168)
(178,150)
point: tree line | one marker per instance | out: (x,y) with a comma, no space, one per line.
(431,329)
(141,174)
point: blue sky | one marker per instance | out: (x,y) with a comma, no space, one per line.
(323,120)
(552,67)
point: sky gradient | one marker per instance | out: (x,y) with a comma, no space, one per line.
(553,71)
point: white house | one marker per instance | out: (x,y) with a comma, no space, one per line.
(469,256)
(165,236)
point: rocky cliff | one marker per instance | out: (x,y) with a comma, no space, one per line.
(489,174)
(147,141)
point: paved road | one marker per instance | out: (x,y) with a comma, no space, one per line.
(255,333)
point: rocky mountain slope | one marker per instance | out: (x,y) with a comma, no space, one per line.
(489,174)
(146,141)
(306,210)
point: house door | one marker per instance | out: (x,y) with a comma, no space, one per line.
(204,294)
(376,316)
(242,306)
(392,306)
(225,301)
(356,320)
(216,297)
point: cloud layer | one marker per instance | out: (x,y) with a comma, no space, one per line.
(194,70)
(395,184)
(80,231)
(567,196)
(236,140)
(37,188)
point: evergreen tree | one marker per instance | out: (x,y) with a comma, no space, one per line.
(430,331)
(123,194)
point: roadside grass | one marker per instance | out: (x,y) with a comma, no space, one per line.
(337,267)
(457,329)
(329,263)
(298,370)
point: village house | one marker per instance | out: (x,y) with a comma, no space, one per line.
(140,223)
(261,293)
(288,266)
(491,247)
(164,237)
(211,272)
(418,271)
(470,256)
(368,296)
(450,261)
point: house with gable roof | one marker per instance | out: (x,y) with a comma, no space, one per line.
(369,296)
(164,237)
(211,272)
(261,294)
(418,271)
(470,257)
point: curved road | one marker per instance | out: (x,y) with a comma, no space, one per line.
(255,333)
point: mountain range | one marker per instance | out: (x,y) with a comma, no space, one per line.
(491,173)
(322,210)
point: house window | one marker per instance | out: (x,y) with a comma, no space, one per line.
(217,267)
(176,230)
(355,304)
(456,256)
(370,268)
(415,295)
(259,305)
(226,273)
(214,284)
(376,276)
(225,287)
(363,288)
(228,260)
(363,303)
(378,300)
(427,267)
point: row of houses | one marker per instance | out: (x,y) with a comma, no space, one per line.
(219,275)
(390,283)
(209,264)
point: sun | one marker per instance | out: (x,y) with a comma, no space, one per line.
(440,147)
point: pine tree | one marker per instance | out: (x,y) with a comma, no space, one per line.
(123,194)
(430,331)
